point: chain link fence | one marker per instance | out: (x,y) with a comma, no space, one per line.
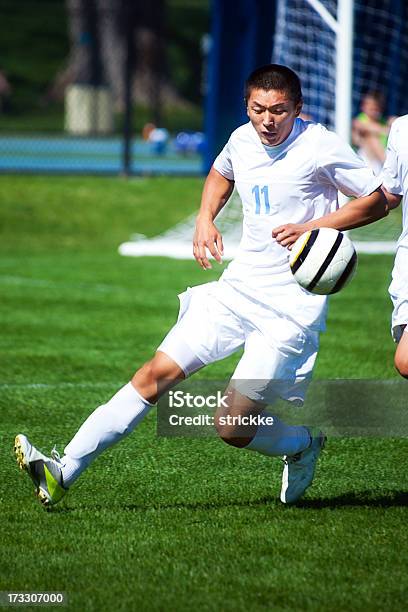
(102,86)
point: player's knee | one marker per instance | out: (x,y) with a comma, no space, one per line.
(146,375)
(401,364)
(159,369)
(157,376)
(156,370)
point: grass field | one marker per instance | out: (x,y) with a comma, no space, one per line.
(174,524)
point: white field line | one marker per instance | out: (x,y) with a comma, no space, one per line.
(39,282)
(61,385)
(376,247)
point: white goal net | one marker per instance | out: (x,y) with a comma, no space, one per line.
(304,40)
(177,241)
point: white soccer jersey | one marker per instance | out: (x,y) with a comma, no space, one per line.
(294,182)
(395,170)
(395,180)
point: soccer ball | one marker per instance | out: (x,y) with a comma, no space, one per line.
(323,260)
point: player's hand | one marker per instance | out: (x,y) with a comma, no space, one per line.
(287,234)
(207,236)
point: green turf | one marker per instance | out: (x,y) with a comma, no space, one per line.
(174,524)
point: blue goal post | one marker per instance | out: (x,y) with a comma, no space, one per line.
(241,39)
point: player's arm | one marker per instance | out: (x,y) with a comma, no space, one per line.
(355,213)
(216,192)
(393,200)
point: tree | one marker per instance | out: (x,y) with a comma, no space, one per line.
(97,50)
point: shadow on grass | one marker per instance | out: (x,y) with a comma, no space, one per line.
(360,498)
(216,505)
(354,499)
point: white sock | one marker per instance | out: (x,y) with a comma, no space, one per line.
(279,439)
(104,427)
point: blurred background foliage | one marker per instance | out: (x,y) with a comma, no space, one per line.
(35,48)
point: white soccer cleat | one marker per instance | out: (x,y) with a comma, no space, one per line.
(299,469)
(45,472)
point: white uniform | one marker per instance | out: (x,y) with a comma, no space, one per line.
(395,180)
(257,303)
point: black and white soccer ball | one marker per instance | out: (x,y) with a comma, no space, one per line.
(323,260)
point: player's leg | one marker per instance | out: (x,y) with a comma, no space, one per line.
(245,423)
(190,345)
(106,426)
(398,291)
(401,354)
(265,372)
(113,421)
(202,321)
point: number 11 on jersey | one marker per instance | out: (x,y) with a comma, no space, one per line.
(257,191)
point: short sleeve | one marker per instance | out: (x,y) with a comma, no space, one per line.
(340,166)
(223,163)
(389,174)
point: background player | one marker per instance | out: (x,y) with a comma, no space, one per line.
(287,172)
(370,130)
(395,184)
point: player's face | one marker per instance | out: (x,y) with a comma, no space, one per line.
(272,113)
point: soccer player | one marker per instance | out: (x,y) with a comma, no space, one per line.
(288,173)
(395,185)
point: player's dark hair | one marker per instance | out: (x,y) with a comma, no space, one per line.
(274,76)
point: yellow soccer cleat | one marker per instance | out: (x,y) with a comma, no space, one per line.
(45,472)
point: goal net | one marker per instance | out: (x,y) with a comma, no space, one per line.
(178,239)
(304,40)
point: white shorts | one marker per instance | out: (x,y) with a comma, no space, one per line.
(399,293)
(215,320)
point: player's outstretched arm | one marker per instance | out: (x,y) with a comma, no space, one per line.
(355,213)
(216,192)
